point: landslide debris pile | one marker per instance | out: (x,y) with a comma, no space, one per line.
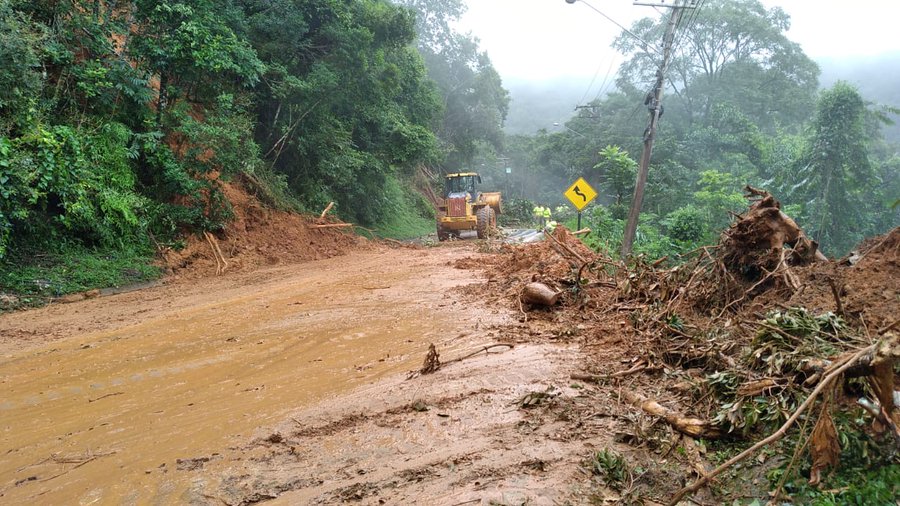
(753,340)
(257,235)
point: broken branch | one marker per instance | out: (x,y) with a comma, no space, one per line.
(597,378)
(333,225)
(837,369)
(327,208)
(837,297)
(693,427)
(480,350)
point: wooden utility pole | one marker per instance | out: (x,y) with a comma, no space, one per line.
(654,103)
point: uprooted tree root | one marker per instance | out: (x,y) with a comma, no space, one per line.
(756,254)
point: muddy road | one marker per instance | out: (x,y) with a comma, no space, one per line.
(287,383)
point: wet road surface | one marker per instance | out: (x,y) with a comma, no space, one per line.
(108,398)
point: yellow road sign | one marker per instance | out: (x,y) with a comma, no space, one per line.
(580,193)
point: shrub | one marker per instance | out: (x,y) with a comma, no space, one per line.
(57,179)
(685,224)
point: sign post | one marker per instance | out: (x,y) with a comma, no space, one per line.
(580,194)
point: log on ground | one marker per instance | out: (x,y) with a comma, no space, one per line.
(540,294)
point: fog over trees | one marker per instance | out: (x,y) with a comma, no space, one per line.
(743,105)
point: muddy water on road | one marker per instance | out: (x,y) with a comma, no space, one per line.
(104,417)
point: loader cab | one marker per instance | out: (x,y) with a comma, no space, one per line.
(462,184)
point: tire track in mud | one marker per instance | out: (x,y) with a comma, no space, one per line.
(453,436)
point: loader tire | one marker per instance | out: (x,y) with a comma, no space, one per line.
(442,234)
(486,221)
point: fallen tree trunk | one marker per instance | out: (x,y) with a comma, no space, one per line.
(869,363)
(882,383)
(693,427)
(539,294)
(221,263)
(333,225)
(597,378)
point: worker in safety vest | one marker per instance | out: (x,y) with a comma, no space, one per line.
(538,213)
(546,217)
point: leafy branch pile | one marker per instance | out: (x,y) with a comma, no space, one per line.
(762,363)
(742,361)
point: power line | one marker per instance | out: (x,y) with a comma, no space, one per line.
(593,80)
(692,19)
(654,103)
(613,21)
(605,79)
(684,35)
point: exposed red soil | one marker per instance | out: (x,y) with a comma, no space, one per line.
(869,288)
(260,236)
(620,322)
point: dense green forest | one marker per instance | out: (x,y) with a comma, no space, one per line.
(119,121)
(742,105)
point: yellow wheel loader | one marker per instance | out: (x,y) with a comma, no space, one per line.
(465,208)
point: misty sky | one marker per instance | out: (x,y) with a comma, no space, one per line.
(539,40)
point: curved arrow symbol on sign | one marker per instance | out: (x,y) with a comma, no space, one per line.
(577,191)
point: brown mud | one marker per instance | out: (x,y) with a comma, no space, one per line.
(123,398)
(292,383)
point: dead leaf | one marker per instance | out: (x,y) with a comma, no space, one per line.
(824,447)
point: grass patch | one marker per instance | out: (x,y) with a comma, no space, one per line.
(35,278)
(856,485)
(405,226)
(611,467)
(408,216)
(868,473)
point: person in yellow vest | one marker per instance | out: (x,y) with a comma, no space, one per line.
(538,213)
(546,217)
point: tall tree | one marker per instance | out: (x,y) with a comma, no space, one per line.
(20,58)
(191,47)
(834,174)
(729,51)
(345,103)
(475,101)
(434,21)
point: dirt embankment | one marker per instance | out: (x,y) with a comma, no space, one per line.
(867,283)
(259,236)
